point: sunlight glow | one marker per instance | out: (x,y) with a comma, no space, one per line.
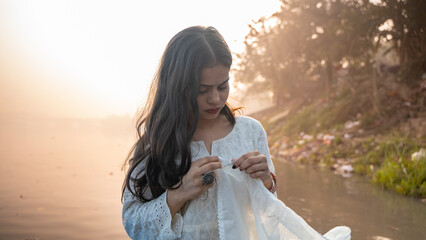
(96,58)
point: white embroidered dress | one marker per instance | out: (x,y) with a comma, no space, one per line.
(236,207)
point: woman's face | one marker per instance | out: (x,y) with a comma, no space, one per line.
(214,90)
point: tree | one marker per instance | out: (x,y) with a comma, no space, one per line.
(311,39)
(406,30)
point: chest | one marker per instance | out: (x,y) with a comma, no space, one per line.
(231,146)
(213,135)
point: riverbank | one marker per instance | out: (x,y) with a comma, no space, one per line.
(350,134)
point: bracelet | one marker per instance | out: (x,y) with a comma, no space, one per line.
(274,183)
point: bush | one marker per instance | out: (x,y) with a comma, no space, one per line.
(406,176)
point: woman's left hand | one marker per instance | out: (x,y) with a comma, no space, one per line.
(256,165)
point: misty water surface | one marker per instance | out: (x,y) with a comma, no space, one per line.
(61,179)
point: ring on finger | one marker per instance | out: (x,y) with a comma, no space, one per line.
(207,178)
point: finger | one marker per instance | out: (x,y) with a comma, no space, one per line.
(258,174)
(202,161)
(244,157)
(256,168)
(209,167)
(251,161)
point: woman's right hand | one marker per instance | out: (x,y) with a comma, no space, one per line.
(191,185)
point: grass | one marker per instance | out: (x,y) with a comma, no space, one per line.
(399,171)
(383,156)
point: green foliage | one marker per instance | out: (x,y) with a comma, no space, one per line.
(302,121)
(397,171)
(405,176)
(321,116)
(361,168)
(385,158)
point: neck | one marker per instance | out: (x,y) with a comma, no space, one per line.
(208,123)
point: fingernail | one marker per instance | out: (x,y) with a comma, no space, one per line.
(234,167)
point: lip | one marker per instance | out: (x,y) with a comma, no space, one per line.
(213,110)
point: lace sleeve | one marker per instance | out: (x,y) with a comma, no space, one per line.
(150,220)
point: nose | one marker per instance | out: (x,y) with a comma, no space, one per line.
(214,97)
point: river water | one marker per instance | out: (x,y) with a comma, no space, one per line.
(326,200)
(62,181)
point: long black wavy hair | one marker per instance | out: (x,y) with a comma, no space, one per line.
(168,122)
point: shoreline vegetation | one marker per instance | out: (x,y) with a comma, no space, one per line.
(346,134)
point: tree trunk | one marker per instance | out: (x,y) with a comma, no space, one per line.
(277,94)
(329,78)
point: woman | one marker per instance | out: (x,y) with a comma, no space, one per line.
(176,186)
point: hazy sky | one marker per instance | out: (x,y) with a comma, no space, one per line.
(96,58)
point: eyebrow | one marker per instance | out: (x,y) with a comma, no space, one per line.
(206,85)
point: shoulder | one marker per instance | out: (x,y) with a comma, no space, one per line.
(246,120)
(249,123)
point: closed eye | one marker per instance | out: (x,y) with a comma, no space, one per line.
(223,85)
(203,91)
(205,88)
(221,88)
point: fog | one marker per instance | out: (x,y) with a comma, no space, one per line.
(61,178)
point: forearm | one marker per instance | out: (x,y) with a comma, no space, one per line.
(175,201)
